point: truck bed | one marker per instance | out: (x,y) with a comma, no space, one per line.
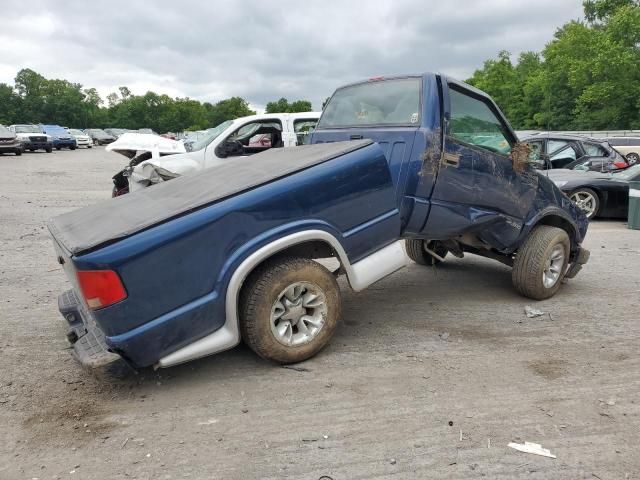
(91,227)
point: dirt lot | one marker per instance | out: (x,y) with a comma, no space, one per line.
(431,374)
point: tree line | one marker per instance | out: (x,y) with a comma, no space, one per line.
(587,77)
(36,99)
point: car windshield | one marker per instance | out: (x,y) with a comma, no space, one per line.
(74,131)
(99,133)
(628,173)
(27,129)
(208,137)
(389,102)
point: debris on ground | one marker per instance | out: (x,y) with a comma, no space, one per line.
(532,312)
(444,336)
(529,447)
(297,369)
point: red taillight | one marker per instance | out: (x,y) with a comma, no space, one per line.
(101,288)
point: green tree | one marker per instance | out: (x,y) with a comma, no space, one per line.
(283,106)
(234,107)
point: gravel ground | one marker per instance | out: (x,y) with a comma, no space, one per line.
(431,373)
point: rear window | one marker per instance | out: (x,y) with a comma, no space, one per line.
(388,102)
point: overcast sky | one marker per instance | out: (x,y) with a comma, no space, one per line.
(259,50)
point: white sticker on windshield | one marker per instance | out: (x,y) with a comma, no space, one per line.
(414,118)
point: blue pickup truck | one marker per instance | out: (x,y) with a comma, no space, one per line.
(192,266)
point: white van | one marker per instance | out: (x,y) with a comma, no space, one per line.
(240,137)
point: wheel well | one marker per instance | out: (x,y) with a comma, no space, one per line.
(311,249)
(559,222)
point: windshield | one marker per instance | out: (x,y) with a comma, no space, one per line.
(628,173)
(389,102)
(208,137)
(27,129)
(74,131)
(99,133)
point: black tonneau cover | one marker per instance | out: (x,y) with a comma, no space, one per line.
(90,227)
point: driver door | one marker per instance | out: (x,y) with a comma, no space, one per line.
(477,188)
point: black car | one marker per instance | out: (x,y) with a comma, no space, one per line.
(568,151)
(99,136)
(595,193)
(9,142)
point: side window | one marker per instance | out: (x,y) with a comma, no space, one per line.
(303,128)
(253,138)
(594,150)
(472,121)
(564,153)
(554,145)
(536,151)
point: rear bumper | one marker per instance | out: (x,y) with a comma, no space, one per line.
(89,345)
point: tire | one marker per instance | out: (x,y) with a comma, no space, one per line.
(273,284)
(587,200)
(417,253)
(633,158)
(18,152)
(32,149)
(49,149)
(72,147)
(531,276)
(88,146)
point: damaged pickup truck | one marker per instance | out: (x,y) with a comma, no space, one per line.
(191,267)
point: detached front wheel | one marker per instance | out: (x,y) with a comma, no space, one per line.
(541,262)
(289,309)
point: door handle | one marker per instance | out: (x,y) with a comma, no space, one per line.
(452,159)
(355,137)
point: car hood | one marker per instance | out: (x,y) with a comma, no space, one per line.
(144,142)
(7,136)
(32,134)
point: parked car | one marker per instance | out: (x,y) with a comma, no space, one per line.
(60,136)
(9,142)
(147,131)
(82,139)
(598,194)
(116,132)
(32,137)
(99,136)
(190,267)
(568,151)
(627,146)
(217,146)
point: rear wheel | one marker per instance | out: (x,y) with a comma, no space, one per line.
(417,252)
(633,158)
(541,262)
(18,152)
(587,200)
(72,147)
(49,149)
(289,309)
